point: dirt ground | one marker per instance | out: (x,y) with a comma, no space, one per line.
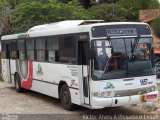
(33,105)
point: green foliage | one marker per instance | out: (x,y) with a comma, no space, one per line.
(74,3)
(34,13)
(3,3)
(109,12)
(133,7)
(156,26)
(150,4)
(64,1)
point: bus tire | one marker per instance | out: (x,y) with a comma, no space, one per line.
(157,66)
(17,83)
(65,98)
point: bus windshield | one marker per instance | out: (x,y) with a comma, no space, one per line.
(121,58)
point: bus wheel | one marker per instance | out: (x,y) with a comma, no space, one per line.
(65,98)
(157,67)
(17,83)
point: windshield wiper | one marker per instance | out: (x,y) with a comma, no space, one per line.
(134,47)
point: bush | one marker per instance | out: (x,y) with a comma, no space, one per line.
(109,12)
(156,26)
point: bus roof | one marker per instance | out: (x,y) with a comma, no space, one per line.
(63,24)
(63,27)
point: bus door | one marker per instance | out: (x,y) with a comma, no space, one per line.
(83,60)
(6,68)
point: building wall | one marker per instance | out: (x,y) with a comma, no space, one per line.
(148,16)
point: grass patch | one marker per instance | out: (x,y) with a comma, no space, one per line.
(158,87)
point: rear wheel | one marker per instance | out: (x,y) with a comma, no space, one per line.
(17,83)
(65,98)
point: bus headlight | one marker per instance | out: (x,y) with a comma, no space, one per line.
(153,88)
(107,94)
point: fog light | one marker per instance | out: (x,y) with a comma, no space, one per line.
(103,94)
(95,94)
(153,88)
(109,93)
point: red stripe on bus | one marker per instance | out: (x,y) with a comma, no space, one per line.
(27,84)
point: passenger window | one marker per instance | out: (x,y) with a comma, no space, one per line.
(30,49)
(14,50)
(67,49)
(21,49)
(52,48)
(40,49)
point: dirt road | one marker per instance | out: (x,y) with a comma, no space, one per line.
(31,105)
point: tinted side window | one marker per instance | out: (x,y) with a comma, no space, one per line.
(21,49)
(14,49)
(40,49)
(30,49)
(30,44)
(52,49)
(67,49)
(40,44)
(21,45)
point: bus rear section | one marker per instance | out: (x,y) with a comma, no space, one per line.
(6,63)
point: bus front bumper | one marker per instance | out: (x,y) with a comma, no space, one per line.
(99,102)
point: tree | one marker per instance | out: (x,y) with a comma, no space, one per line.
(86,3)
(27,15)
(133,7)
(109,12)
(150,4)
(156,26)
(65,1)
(5,13)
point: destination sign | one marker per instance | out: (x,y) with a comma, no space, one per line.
(122,31)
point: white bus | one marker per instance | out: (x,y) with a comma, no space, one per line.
(89,63)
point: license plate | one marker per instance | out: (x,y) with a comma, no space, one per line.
(152,96)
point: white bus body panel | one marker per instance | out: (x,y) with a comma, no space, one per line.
(13,69)
(48,80)
(120,85)
(5,70)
